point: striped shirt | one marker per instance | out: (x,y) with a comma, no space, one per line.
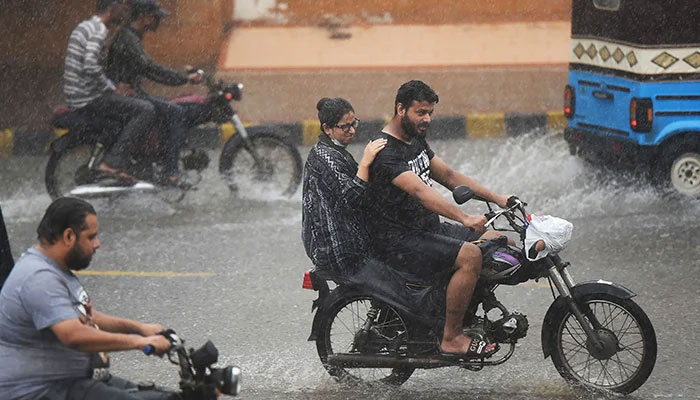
(84,79)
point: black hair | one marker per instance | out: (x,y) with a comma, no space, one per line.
(104,5)
(136,13)
(330,111)
(139,8)
(414,91)
(64,213)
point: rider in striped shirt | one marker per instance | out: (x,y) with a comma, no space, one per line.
(90,92)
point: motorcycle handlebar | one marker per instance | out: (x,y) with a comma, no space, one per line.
(149,350)
(168,334)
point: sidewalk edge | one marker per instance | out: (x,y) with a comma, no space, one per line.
(470,126)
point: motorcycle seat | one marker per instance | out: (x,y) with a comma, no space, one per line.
(81,121)
(423,300)
(65,118)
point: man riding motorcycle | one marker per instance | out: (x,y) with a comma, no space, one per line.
(90,92)
(52,340)
(405,210)
(128,63)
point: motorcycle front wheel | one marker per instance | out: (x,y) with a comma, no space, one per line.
(628,352)
(266,164)
(342,332)
(67,169)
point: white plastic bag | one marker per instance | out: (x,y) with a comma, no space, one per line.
(555,232)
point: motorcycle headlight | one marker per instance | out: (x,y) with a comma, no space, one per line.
(228,380)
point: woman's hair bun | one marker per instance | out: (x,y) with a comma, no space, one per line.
(321,102)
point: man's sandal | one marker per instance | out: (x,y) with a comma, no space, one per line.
(115,178)
(476,351)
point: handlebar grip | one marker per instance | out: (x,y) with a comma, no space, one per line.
(149,350)
(513,200)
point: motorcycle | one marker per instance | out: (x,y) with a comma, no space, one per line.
(199,380)
(253,156)
(379,325)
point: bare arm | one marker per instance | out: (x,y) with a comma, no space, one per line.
(449,178)
(410,183)
(74,334)
(122,325)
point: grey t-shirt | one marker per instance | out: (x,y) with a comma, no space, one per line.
(37,295)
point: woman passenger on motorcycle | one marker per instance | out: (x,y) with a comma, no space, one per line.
(334,187)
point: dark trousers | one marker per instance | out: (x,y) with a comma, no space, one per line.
(173,132)
(115,389)
(137,115)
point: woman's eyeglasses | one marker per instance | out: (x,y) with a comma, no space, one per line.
(346,127)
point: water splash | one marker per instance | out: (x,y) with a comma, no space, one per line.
(540,170)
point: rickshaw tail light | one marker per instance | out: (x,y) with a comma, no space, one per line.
(569,101)
(641,114)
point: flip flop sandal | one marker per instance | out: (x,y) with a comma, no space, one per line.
(179,183)
(476,351)
(176,183)
(118,178)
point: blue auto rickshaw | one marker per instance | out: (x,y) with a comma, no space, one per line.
(633,96)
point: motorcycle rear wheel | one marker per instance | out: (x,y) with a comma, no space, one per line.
(340,330)
(68,169)
(65,170)
(277,174)
(630,339)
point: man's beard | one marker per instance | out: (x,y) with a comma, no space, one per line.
(410,129)
(76,259)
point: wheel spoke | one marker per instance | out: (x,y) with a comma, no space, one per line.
(626,327)
(580,337)
(606,372)
(348,321)
(577,335)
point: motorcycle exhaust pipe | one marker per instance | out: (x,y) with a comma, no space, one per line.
(386,361)
(354,360)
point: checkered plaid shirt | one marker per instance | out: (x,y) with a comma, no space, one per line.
(333,228)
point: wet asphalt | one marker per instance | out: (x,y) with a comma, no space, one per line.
(230,269)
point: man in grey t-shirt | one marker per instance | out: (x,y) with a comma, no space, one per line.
(52,342)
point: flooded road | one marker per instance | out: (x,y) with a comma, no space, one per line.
(230,270)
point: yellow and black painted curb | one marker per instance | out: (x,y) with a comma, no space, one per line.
(470,126)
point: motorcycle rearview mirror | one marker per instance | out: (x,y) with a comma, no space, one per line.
(205,355)
(462,193)
(234,92)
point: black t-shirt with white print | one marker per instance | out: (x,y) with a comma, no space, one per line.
(391,209)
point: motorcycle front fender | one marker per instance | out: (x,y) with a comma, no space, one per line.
(559,306)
